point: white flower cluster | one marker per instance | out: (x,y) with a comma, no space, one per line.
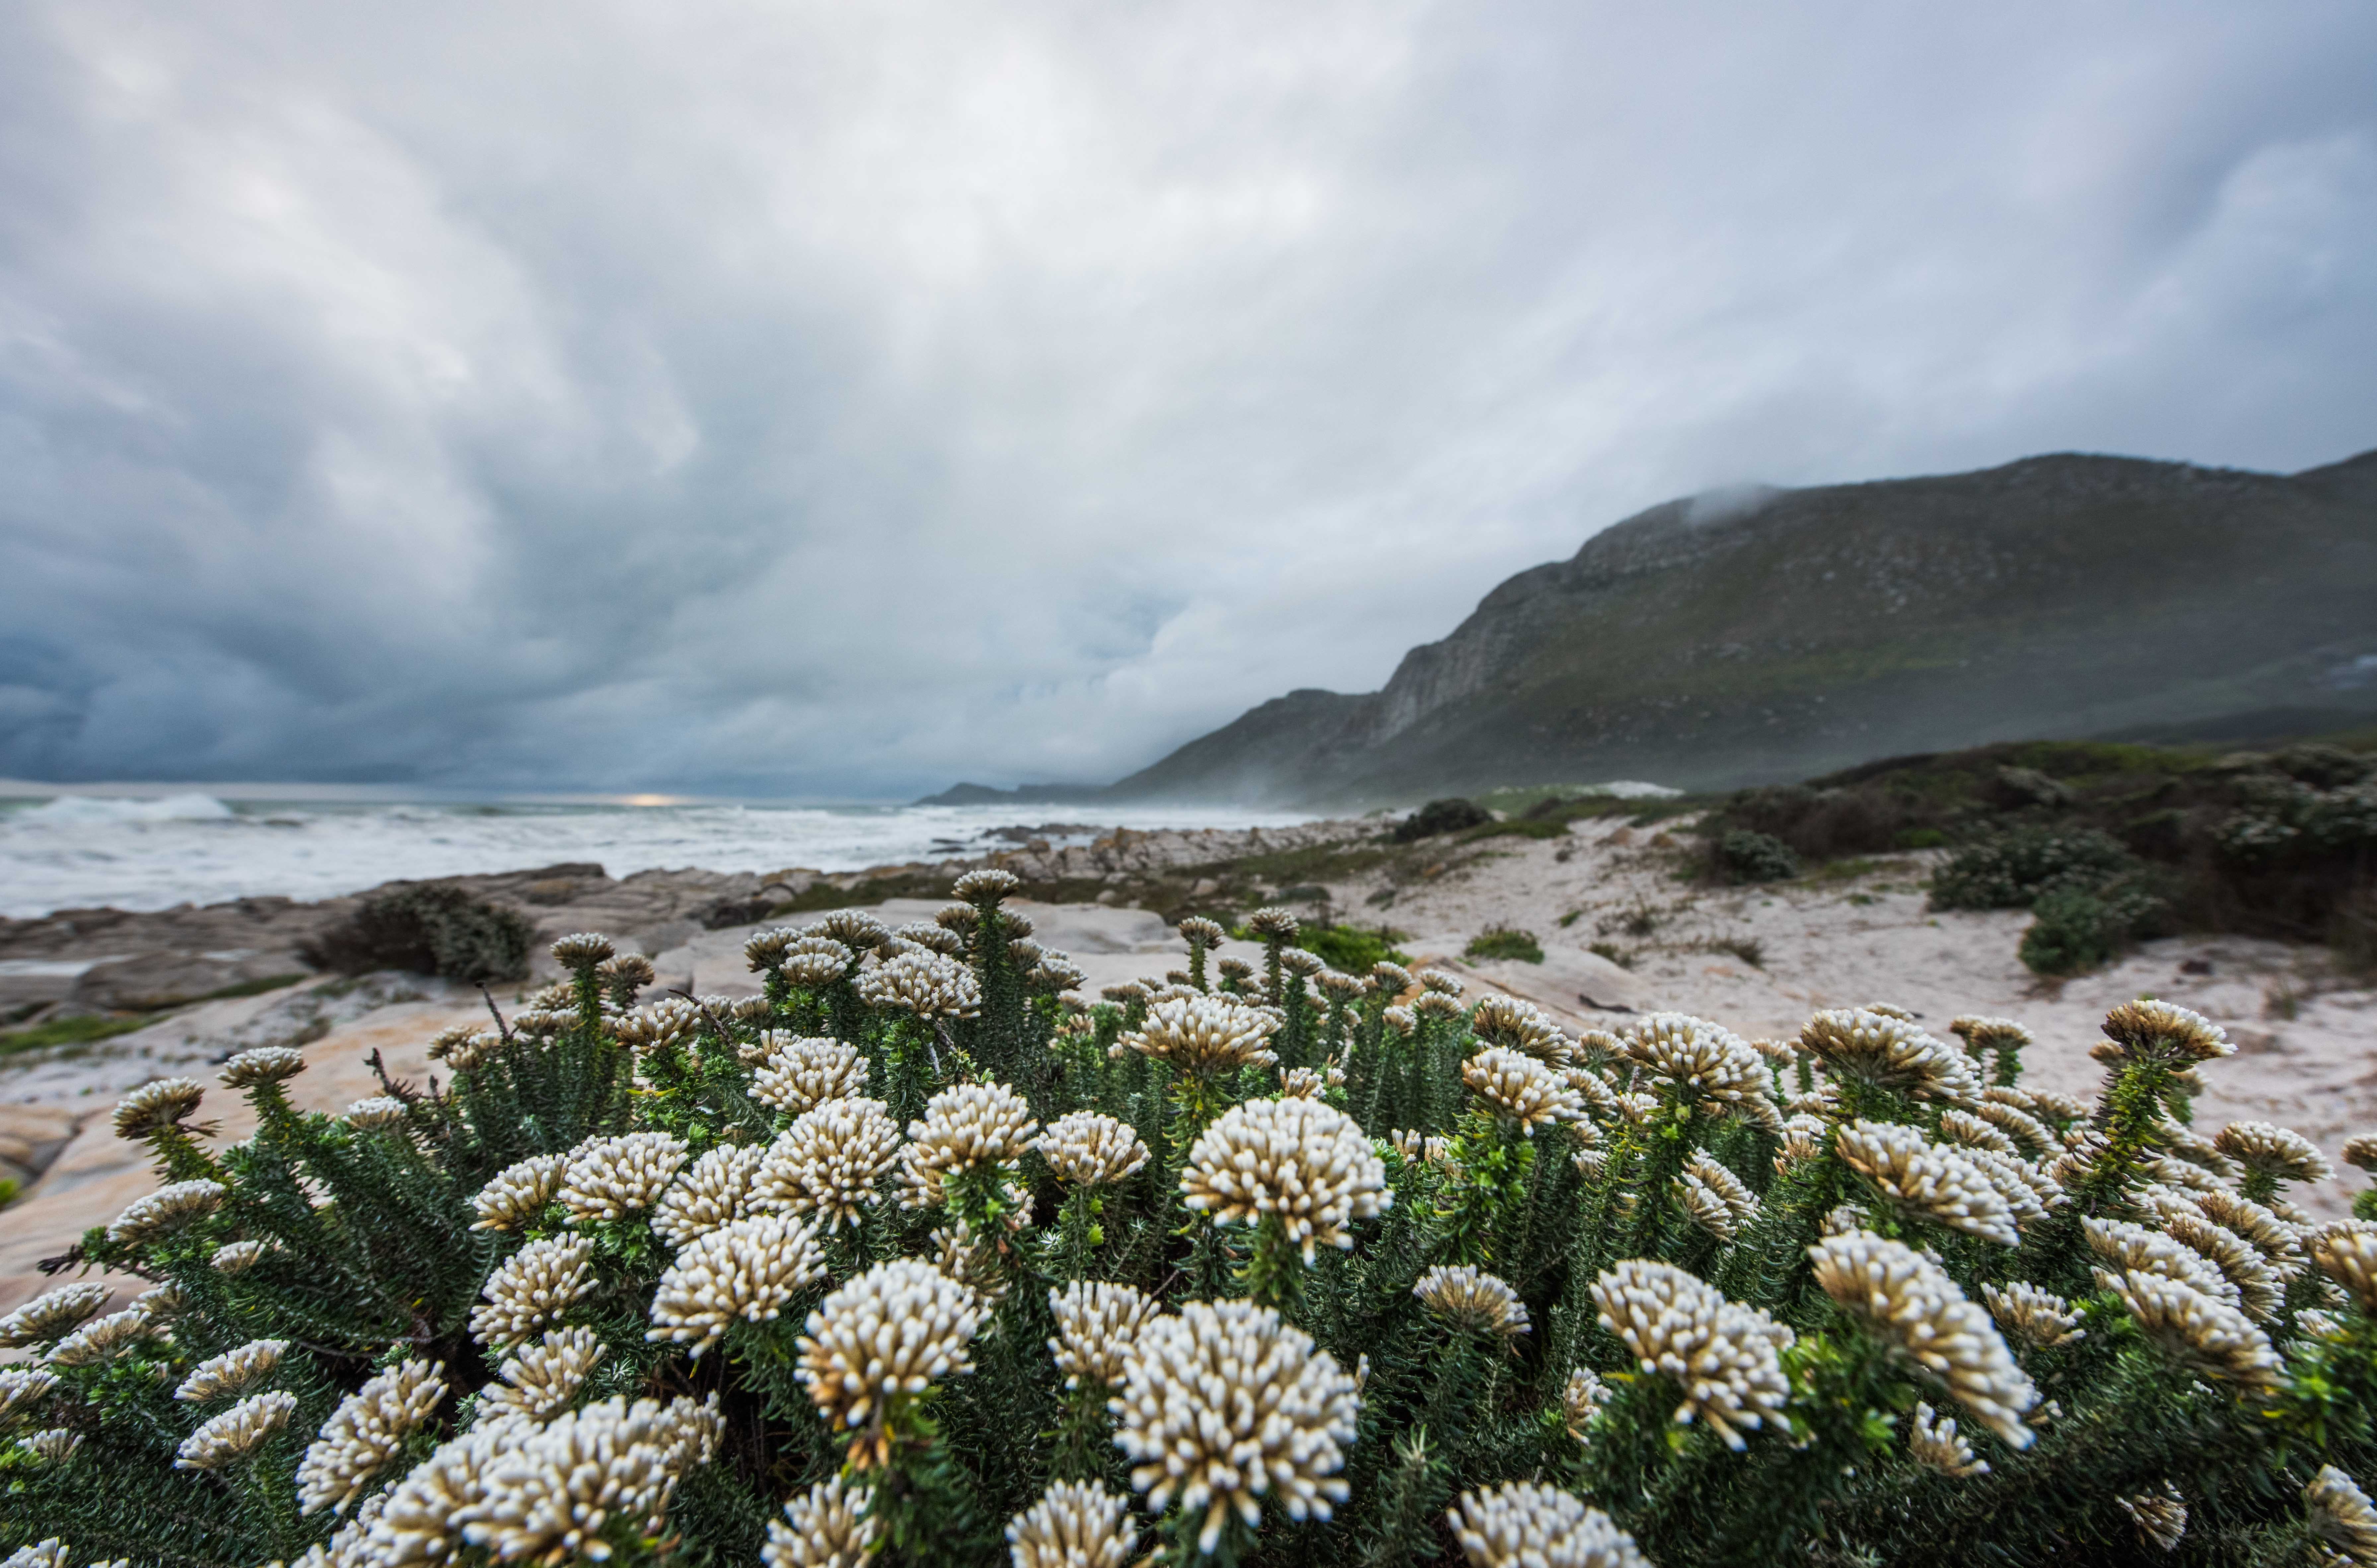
(2340,1515)
(2163,1032)
(2346,1254)
(365,1432)
(1225,1404)
(827,1526)
(20,1387)
(232,1373)
(531,1287)
(746,1268)
(1528,1524)
(154,1105)
(609,1179)
(1927,1180)
(1932,1441)
(1473,1301)
(926,983)
(2158,1514)
(539,1378)
(1705,1064)
(828,1161)
(104,1338)
(1091,1149)
(2039,1318)
(712,1190)
(800,1074)
(897,1329)
(2279,1153)
(265,1064)
(1912,1304)
(1890,1053)
(966,1126)
(2134,1249)
(53,1315)
(1717,1201)
(1521,1025)
(237,1433)
(1724,1356)
(1205,1034)
(1521,1089)
(517,1193)
(1582,1398)
(238,1256)
(1302,1161)
(557,1488)
(2202,1333)
(165,1211)
(1074,1524)
(1095,1324)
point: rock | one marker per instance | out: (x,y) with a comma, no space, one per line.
(31,1136)
(150,980)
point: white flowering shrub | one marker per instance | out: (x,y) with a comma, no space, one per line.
(920,1258)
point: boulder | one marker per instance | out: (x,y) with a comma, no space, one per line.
(147,980)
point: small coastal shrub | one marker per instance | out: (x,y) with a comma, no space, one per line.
(1352,948)
(1505,941)
(1746,856)
(2070,932)
(1613,952)
(921,1257)
(430,929)
(2012,870)
(1440,817)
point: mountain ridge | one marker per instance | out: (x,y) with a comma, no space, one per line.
(1760,634)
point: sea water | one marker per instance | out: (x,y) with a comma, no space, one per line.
(81,851)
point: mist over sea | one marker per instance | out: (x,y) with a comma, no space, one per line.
(79,851)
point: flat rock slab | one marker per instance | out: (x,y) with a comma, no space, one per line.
(1577,987)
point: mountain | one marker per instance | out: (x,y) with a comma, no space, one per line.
(1752,636)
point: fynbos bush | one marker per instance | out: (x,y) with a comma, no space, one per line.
(432,929)
(920,1258)
(1746,856)
(2012,869)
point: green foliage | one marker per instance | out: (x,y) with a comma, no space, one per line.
(1352,949)
(2071,933)
(1505,941)
(2013,871)
(1743,855)
(431,929)
(77,1031)
(1522,827)
(1440,817)
(380,1239)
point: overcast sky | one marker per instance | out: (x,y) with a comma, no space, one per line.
(838,401)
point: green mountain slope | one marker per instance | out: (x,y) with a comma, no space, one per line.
(1768,635)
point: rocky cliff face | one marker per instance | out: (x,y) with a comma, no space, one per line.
(1755,636)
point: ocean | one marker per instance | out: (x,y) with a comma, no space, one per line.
(84,850)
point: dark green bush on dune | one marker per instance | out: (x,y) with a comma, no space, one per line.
(1746,856)
(430,929)
(1438,816)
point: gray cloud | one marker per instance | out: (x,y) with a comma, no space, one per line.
(835,400)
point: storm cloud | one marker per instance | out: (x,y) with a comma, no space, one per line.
(833,399)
